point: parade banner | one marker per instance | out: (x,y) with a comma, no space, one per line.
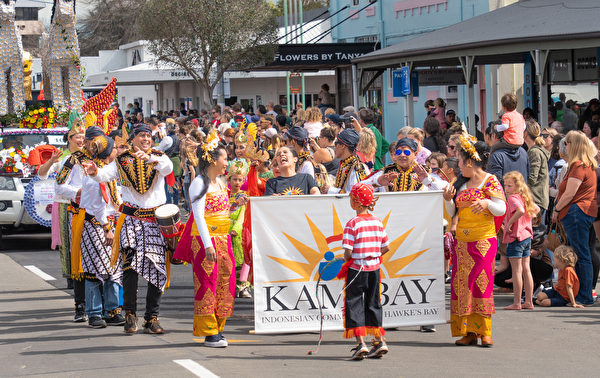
(296,237)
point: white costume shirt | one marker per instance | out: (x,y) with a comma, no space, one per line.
(155,196)
(429,183)
(93,202)
(350,182)
(68,190)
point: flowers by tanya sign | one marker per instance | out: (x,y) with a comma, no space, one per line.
(292,249)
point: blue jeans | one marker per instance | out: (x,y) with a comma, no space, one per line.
(93,297)
(577,226)
(172,197)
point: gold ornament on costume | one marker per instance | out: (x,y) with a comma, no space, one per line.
(27,69)
(246,134)
(90,119)
(467,144)
(212,142)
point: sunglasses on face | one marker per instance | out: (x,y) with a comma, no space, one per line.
(545,135)
(405,152)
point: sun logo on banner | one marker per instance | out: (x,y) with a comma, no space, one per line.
(330,247)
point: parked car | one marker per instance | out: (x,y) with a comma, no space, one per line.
(15,177)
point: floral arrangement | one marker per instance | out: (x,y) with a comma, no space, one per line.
(13,160)
(38,117)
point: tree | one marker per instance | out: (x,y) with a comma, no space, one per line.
(306,5)
(109,24)
(208,37)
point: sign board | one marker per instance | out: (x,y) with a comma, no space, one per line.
(291,247)
(403,85)
(397,83)
(317,55)
(560,66)
(442,76)
(585,62)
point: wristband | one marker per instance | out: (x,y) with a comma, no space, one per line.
(106,227)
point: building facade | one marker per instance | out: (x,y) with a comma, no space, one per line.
(393,21)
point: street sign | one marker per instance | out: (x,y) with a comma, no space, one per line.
(401,82)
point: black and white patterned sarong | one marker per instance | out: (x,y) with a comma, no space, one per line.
(95,254)
(145,250)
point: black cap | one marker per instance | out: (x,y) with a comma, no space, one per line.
(92,132)
(407,142)
(349,138)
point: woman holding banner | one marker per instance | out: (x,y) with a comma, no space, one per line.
(206,244)
(477,197)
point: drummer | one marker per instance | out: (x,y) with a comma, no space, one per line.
(142,171)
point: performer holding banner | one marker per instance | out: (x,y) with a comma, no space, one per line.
(478,197)
(206,244)
(142,173)
(68,185)
(102,280)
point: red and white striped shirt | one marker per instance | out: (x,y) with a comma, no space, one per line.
(365,236)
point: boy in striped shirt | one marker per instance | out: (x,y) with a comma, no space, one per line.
(365,241)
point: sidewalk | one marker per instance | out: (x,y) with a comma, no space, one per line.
(37,337)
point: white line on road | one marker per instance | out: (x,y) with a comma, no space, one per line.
(197,369)
(37,271)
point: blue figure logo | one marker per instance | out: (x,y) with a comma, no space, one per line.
(330,268)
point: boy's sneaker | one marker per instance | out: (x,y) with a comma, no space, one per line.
(115,318)
(359,352)
(153,326)
(215,341)
(80,315)
(378,350)
(428,328)
(130,323)
(97,322)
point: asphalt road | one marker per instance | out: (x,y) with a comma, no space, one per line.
(37,338)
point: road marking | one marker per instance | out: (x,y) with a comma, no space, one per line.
(196,369)
(40,273)
(232,341)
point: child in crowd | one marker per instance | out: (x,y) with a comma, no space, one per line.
(238,170)
(364,242)
(518,231)
(513,123)
(567,287)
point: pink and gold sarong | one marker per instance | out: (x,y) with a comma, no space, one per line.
(214,282)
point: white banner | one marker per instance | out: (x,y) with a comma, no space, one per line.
(292,235)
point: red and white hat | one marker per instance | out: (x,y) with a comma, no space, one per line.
(364,193)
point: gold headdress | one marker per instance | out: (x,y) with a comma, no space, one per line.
(76,128)
(238,167)
(246,134)
(467,144)
(212,142)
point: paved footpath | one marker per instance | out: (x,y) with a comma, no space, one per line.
(37,338)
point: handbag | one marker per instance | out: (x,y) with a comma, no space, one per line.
(556,236)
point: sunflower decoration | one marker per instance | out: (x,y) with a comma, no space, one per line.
(38,117)
(467,144)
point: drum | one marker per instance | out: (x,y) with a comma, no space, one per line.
(169,222)
(38,199)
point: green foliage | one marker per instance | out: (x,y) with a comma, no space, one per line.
(306,5)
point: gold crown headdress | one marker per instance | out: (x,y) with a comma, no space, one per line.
(238,167)
(212,142)
(467,144)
